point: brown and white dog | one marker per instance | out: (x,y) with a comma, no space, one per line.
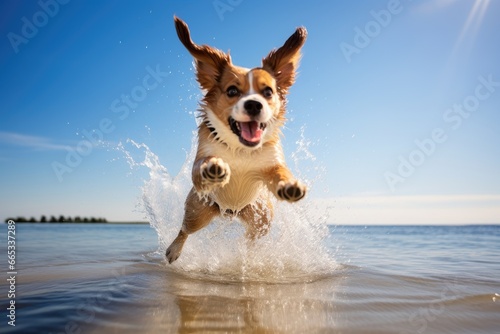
(239,161)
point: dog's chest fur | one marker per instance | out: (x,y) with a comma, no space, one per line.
(246,183)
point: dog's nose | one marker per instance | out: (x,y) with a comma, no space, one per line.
(252,107)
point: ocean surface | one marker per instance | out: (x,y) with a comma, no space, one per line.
(113,278)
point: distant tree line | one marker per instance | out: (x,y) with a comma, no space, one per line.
(61,219)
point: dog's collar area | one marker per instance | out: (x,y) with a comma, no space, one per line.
(249,133)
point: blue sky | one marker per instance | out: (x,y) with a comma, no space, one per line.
(399,99)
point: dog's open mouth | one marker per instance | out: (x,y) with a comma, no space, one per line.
(249,133)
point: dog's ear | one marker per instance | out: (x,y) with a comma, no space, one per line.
(283,62)
(210,62)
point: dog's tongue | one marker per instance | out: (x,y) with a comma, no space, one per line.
(250,131)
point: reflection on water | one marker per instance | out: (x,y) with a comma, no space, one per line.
(261,307)
(177,303)
(257,306)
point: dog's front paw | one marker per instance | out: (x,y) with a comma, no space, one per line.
(215,171)
(291,191)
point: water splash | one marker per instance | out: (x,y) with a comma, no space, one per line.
(294,250)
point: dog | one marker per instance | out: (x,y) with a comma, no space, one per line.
(239,161)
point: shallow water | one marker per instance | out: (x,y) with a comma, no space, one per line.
(105,278)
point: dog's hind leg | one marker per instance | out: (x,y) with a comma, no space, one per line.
(257,218)
(197,215)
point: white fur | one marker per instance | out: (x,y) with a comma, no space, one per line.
(238,111)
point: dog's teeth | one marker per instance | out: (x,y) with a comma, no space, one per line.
(238,125)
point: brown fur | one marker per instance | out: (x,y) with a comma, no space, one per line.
(232,175)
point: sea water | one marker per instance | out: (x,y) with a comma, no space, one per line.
(110,278)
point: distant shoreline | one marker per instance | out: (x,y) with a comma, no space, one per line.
(67,220)
(74,223)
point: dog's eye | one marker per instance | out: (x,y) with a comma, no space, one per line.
(267,92)
(232,91)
